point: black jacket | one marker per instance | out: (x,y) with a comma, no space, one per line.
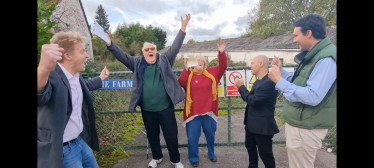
(54,110)
(259,112)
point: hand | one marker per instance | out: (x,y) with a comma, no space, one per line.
(51,53)
(185,22)
(275,74)
(110,41)
(277,62)
(238,82)
(221,47)
(185,64)
(104,73)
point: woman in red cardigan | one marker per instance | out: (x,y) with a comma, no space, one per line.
(201,103)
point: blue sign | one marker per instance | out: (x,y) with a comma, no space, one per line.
(117,84)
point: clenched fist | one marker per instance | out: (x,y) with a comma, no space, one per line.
(238,82)
(51,53)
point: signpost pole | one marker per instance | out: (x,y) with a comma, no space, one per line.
(229,119)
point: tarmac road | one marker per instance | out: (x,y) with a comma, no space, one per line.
(227,156)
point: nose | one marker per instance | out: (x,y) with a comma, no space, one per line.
(86,55)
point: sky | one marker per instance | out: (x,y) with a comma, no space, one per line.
(210,19)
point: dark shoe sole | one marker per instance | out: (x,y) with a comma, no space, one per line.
(214,159)
(195,164)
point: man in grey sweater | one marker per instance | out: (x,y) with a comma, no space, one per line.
(156,90)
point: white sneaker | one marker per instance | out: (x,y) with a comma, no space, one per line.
(178,165)
(154,163)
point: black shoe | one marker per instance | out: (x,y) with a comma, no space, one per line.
(195,164)
(214,159)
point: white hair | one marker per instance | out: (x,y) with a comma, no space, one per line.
(146,43)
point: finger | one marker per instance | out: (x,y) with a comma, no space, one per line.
(61,50)
(50,46)
(57,58)
(55,53)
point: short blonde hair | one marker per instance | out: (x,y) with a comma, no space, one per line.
(66,40)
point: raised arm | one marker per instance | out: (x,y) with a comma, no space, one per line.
(183,78)
(96,83)
(120,55)
(222,59)
(171,54)
(51,53)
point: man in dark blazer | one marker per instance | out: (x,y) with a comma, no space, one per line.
(66,132)
(260,125)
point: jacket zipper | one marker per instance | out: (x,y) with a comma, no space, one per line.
(301,112)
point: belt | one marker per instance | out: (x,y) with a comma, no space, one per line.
(71,141)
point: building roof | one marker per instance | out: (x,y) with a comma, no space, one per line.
(85,17)
(281,42)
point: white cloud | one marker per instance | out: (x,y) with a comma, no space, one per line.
(209,18)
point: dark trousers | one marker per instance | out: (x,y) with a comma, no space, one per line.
(264,143)
(166,119)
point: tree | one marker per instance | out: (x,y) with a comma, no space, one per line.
(45,10)
(161,37)
(274,17)
(101,18)
(134,35)
(190,41)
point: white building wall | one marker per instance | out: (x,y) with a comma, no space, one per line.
(72,18)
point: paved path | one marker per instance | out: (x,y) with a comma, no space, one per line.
(227,156)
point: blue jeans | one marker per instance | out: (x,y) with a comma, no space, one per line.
(78,155)
(193,129)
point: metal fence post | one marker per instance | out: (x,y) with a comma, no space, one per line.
(229,119)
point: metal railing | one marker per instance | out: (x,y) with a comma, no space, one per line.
(118,127)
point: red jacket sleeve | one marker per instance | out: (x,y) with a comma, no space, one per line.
(183,78)
(222,64)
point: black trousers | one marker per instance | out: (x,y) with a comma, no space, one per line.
(264,143)
(166,119)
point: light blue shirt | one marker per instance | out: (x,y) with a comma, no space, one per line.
(317,86)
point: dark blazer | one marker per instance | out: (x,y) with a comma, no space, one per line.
(54,110)
(260,108)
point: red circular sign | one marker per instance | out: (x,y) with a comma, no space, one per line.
(234,75)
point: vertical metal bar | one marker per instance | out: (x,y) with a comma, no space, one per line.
(229,119)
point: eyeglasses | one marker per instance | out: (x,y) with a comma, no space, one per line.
(147,49)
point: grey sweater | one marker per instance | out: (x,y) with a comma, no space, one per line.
(165,62)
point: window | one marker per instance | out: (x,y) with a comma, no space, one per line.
(281,59)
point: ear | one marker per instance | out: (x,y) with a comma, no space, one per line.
(309,33)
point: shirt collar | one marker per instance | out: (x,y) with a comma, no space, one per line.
(67,73)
